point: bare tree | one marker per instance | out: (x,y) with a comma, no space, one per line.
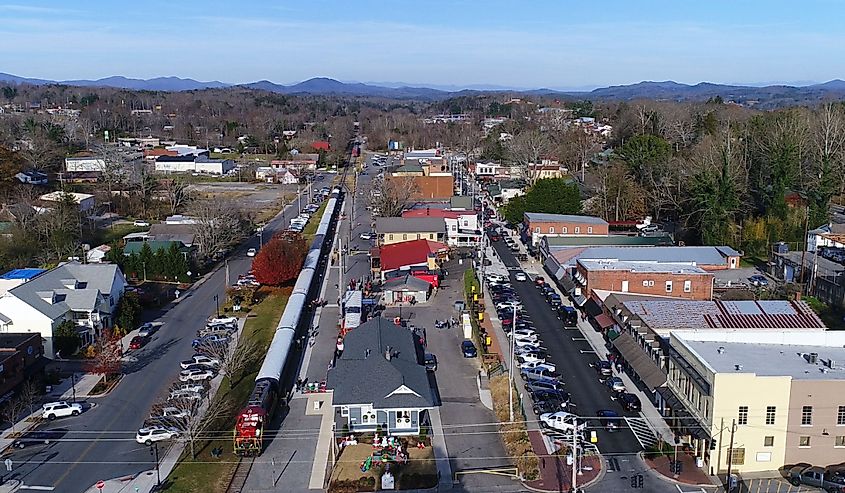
(219,224)
(829,143)
(177,192)
(233,360)
(29,394)
(13,409)
(527,149)
(193,418)
(391,195)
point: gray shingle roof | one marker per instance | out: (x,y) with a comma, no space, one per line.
(362,375)
(569,218)
(94,280)
(408,282)
(410,224)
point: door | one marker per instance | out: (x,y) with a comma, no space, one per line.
(624,286)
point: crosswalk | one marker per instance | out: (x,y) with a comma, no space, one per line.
(642,431)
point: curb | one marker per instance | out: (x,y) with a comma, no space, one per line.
(641,456)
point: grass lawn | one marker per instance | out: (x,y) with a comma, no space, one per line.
(753,262)
(207,473)
(311,228)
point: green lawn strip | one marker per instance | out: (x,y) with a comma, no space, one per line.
(207,473)
(311,228)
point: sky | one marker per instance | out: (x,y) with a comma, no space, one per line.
(563,44)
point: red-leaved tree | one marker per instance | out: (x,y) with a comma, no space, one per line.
(107,355)
(279,261)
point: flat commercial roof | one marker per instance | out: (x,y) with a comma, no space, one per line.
(675,268)
(22,274)
(669,315)
(771,359)
(698,255)
(569,218)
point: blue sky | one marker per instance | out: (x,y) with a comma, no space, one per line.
(527,43)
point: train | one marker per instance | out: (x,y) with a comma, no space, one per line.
(249,435)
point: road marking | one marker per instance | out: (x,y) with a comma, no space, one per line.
(578,339)
(583,351)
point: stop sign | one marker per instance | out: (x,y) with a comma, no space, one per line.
(100,485)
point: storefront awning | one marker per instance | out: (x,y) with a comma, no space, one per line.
(688,421)
(643,365)
(567,285)
(592,308)
(579,300)
(604,321)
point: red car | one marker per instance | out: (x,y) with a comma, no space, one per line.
(138,342)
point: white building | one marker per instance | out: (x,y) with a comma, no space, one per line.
(85,201)
(189,163)
(80,164)
(86,294)
(97,255)
(185,150)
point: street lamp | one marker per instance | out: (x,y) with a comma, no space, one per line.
(154,451)
(73,384)
(513,350)
(217,302)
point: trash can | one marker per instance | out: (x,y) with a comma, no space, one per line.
(459,305)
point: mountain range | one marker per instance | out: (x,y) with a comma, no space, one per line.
(763,96)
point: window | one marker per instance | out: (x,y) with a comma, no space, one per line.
(807,416)
(668,286)
(390,237)
(651,284)
(804,441)
(743,415)
(737,456)
(840,416)
(840,441)
(537,229)
(565,230)
(418,236)
(768,441)
(645,283)
(687,286)
(590,229)
(551,230)
(577,230)
(770,415)
(404,236)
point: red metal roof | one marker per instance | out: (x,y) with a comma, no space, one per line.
(398,255)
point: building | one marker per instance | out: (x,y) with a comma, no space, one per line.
(551,244)
(405,289)
(461,226)
(640,329)
(399,229)
(187,150)
(32,177)
(538,225)
(16,277)
(184,233)
(84,200)
(829,235)
(435,186)
(410,256)
(504,190)
(678,280)
(21,356)
(378,380)
(270,174)
(782,398)
(97,255)
(823,270)
(86,163)
(86,294)
(189,163)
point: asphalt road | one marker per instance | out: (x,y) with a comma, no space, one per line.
(101,443)
(572,355)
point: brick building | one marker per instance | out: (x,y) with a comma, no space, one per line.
(648,278)
(539,225)
(20,355)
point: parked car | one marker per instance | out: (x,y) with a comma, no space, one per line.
(187,393)
(816,476)
(568,316)
(520,276)
(152,434)
(171,413)
(138,223)
(529,358)
(545,365)
(42,437)
(538,373)
(539,281)
(60,409)
(202,360)
(616,384)
(543,385)
(526,342)
(603,368)
(759,280)
(213,339)
(138,342)
(430,362)
(468,349)
(562,421)
(609,419)
(550,404)
(147,329)
(251,252)
(630,402)
(195,374)
(366,235)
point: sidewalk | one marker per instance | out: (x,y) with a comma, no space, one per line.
(690,474)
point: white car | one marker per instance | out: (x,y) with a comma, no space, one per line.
(140,224)
(171,412)
(526,342)
(195,374)
(155,434)
(147,329)
(509,306)
(200,359)
(529,348)
(537,364)
(520,276)
(492,277)
(367,236)
(562,421)
(530,358)
(222,320)
(185,392)
(60,409)
(524,334)
(251,252)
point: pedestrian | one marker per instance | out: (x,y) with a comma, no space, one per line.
(298,384)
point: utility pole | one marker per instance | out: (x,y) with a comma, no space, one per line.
(804,251)
(513,339)
(574,452)
(730,457)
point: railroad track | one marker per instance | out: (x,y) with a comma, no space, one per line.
(238,481)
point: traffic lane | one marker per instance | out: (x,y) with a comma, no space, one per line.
(572,355)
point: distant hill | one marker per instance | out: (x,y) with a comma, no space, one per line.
(765,97)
